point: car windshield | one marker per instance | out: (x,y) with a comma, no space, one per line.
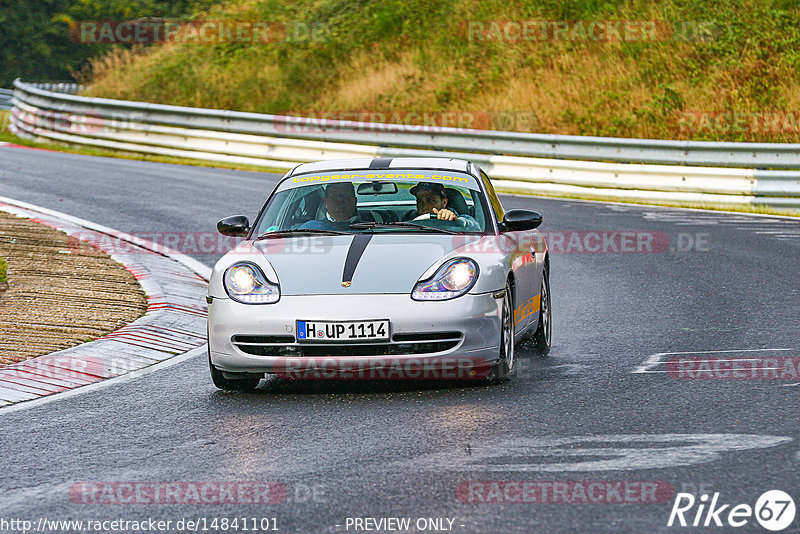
(375,202)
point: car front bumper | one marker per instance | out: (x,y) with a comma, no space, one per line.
(475,318)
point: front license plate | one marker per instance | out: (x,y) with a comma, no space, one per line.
(343,330)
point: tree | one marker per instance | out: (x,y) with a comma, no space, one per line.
(35,42)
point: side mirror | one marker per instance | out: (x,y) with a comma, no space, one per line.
(516,220)
(236,226)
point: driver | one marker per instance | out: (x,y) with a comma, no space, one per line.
(340,207)
(432,199)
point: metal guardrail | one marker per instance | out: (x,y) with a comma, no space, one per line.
(69,88)
(58,87)
(274,141)
(5,98)
(619,150)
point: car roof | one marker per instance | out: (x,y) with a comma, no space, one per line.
(450,164)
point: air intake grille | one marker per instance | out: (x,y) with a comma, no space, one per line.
(403,344)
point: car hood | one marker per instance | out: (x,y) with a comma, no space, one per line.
(390,263)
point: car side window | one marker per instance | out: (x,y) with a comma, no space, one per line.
(493,200)
(304,208)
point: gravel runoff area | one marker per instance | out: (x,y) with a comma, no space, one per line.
(61,292)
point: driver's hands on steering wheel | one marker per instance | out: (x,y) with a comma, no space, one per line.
(440,214)
(444,214)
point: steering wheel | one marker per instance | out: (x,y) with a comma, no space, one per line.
(436,220)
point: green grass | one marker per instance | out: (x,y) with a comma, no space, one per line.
(5,135)
(3,268)
(741,57)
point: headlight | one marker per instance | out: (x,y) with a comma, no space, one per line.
(451,280)
(244,282)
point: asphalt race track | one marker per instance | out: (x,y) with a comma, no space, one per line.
(686,282)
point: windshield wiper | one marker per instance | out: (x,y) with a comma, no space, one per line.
(367,225)
(284,233)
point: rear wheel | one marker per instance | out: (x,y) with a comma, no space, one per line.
(504,368)
(245,383)
(544,331)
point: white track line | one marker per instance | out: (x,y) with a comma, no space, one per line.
(657,359)
(133,375)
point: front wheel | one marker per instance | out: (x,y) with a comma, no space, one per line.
(247,383)
(504,368)
(542,339)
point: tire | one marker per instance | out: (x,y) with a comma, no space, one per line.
(247,383)
(543,337)
(504,368)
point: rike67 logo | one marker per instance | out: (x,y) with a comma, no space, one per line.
(774,510)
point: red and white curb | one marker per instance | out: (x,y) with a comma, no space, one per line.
(173,328)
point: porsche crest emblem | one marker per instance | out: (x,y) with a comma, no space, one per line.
(346,284)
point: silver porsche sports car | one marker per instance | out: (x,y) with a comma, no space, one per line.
(378,268)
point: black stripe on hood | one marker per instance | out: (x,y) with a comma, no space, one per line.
(380,163)
(354,253)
